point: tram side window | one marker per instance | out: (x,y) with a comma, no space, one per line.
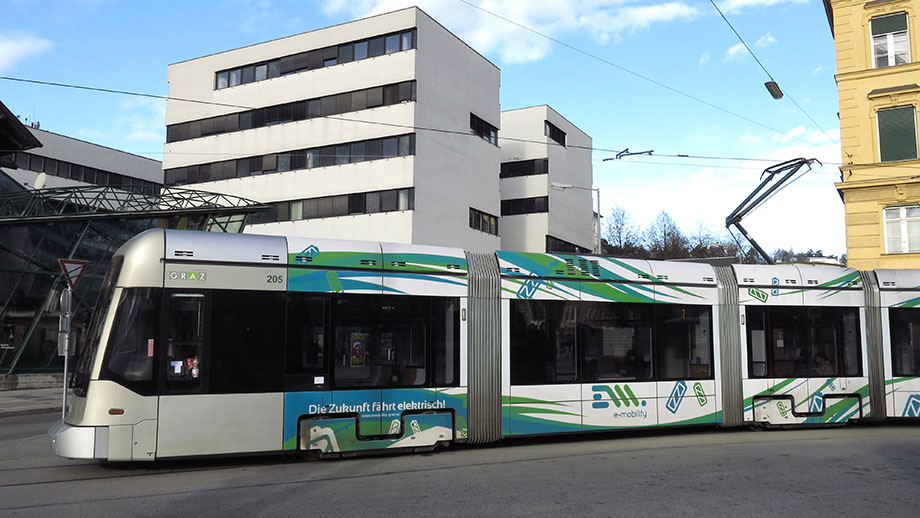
(543,349)
(803,341)
(683,342)
(445,341)
(381,341)
(246,342)
(757,345)
(616,340)
(905,340)
(130,351)
(852,362)
(185,342)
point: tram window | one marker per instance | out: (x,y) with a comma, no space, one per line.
(683,342)
(246,342)
(757,346)
(445,341)
(130,351)
(616,340)
(381,341)
(803,342)
(306,335)
(852,364)
(543,349)
(904,328)
(185,360)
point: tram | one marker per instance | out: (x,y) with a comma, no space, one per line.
(216,344)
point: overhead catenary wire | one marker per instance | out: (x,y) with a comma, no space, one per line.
(658,83)
(381,123)
(631,72)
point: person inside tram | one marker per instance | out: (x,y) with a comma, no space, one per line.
(824,366)
(631,365)
(806,366)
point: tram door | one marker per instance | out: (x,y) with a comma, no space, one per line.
(380,350)
(221,373)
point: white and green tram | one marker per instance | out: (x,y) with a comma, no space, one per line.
(215,344)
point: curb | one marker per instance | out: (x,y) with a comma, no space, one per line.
(29,411)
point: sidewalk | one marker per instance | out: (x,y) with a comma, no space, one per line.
(30,401)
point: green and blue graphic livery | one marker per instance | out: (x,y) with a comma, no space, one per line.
(676,397)
(623,396)
(354,271)
(912,407)
(527,275)
(340,421)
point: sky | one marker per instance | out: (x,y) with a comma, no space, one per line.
(668,76)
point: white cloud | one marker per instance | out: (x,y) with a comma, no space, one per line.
(605,20)
(735,52)
(794,133)
(734,6)
(818,70)
(705,58)
(15,47)
(765,41)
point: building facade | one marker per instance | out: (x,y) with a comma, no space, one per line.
(879,89)
(546,178)
(70,162)
(384,128)
(62,197)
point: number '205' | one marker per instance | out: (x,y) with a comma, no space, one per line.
(274,279)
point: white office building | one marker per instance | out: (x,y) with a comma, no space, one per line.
(70,162)
(546,188)
(385,128)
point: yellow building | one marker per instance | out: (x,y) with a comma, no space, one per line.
(879,87)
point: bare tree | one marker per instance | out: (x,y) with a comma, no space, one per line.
(664,240)
(622,235)
(703,243)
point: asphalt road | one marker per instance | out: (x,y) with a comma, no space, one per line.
(854,471)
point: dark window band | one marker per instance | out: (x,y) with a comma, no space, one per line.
(554,244)
(551,131)
(336,154)
(525,206)
(318,58)
(483,129)
(524,168)
(345,102)
(79,173)
(391,200)
(483,221)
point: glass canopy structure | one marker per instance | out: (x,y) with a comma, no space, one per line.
(38,227)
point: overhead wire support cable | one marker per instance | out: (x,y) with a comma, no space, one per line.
(628,71)
(772,86)
(388,124)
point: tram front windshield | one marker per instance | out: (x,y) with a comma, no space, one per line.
(79,381)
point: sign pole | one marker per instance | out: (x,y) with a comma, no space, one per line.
(73,270)
(64,340)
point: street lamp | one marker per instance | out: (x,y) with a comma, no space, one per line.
(597,219)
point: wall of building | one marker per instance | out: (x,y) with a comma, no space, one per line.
(450,172)
(868,185)
(454,171)
(87,154)
(571,211)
